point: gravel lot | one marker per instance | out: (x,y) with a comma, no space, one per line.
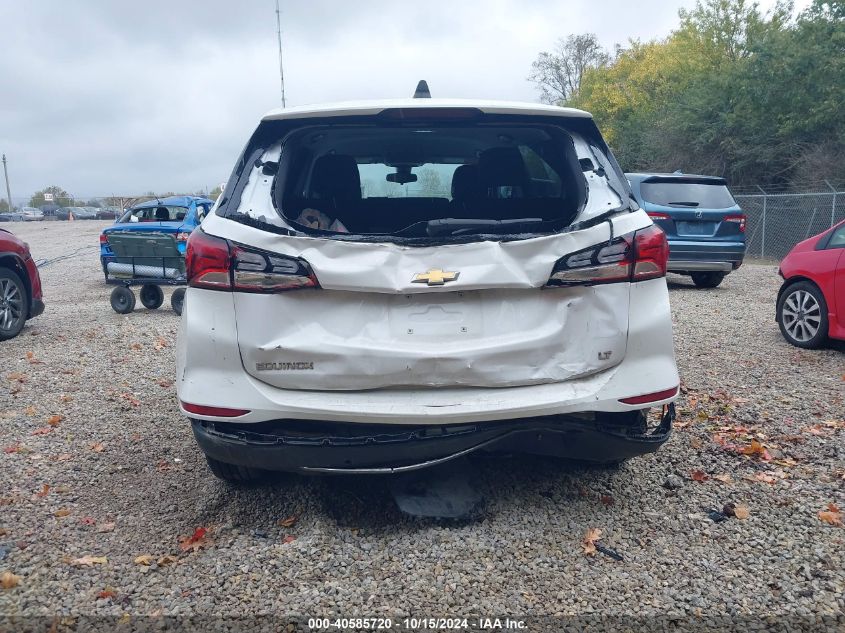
(119,477)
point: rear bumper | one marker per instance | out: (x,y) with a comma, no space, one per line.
(37,308)
(700,256)
(388,449)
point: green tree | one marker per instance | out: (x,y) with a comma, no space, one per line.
(60,197)
(4,206)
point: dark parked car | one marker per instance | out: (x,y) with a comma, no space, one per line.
(11,216)
(702,221)
(811,301)
(20,286)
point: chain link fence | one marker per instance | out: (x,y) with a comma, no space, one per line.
(778,221)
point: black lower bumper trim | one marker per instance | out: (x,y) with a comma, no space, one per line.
(36,309)
(283,445)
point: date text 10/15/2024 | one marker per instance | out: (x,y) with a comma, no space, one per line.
(417,624)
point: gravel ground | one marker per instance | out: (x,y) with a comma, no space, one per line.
(119,477)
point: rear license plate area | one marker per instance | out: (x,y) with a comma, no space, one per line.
(444,315)
(696,228)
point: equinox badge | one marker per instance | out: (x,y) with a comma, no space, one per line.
(434,277)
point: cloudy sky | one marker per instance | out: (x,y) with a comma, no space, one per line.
(103,97)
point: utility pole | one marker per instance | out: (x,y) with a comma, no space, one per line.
(8,193)
(281,65)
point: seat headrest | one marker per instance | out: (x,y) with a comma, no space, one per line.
(162,214)
(502,166)
(466,183)
(336,176)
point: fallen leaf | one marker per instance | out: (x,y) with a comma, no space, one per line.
(88,561)
(16,376)
(695,443)
(195,541)
(97,447)
(288,539)
(289,521)
(725,479)
(66,398)
(756,449)
(31,358)
(30,411)
(14,448)
(832,515)
(132,399)
(607,500)
(144,559)
(135,346)
(741,512)
(765,478)
(105,527)
(167,559)
(699,475)
(54,420)
(159,344)
(164,383)
(45,490)
(88,521)
(63,512)
(108,592)
(589,543)
(8,580)
(44,430)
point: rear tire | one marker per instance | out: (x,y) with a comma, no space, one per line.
(802,315)
(14,304)
(707,280)
(235,474)
(177,300)
(151,296)
(122,300)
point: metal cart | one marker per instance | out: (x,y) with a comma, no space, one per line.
(149,260)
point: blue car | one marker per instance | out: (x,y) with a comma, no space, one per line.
(176,215)
(702,221)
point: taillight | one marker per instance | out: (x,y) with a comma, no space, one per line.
(657,215)
(216,264)
(651,253)
(651,397)
(207,262)
(738,218)
(260,271)
(103,238)
(636,256)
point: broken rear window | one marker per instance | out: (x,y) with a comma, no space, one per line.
(416,180)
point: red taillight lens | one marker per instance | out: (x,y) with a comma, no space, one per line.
(738,218)
(633,257)
(220,412)
(103,238)
(651,397)
(657,215)
(215,264)
(651,253)
(207,262)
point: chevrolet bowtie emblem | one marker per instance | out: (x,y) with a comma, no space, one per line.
(434,277)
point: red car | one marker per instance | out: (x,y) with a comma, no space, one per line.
(811,301)
(20,286)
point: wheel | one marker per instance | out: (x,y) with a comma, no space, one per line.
(14,304)
(235,474)
(802,315)
(177,300)
(122,300)
(707,280)
(151,296)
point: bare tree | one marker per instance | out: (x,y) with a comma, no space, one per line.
(558,74)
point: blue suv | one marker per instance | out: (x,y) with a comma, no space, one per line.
(702,221)
(175,215)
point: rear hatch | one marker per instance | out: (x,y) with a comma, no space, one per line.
(431,251)
(693,208)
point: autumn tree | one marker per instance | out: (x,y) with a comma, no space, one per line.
(558,73)
(60,197)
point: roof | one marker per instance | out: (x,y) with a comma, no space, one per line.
(364,108)
(641,176)
(173,201)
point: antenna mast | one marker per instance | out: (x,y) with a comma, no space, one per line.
(281,66)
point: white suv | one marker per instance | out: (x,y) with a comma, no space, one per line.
(388,285)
